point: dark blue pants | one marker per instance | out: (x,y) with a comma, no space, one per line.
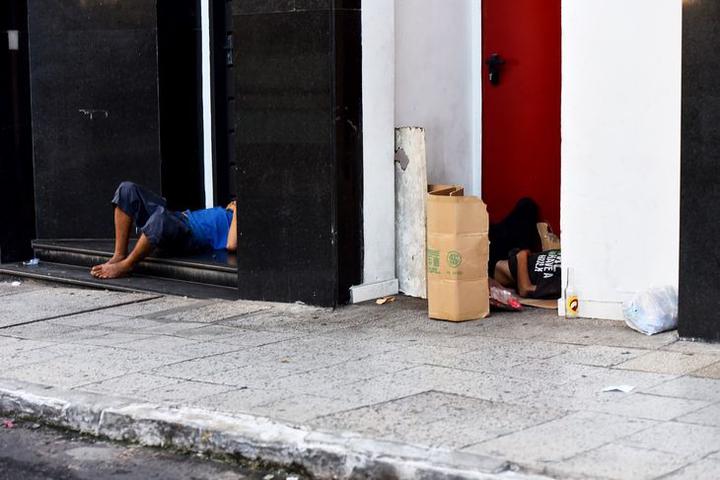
(166,230)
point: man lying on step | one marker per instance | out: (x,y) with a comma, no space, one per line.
(174,233)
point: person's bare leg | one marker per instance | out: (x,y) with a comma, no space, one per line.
(142,249)
(123,226)
(525,286)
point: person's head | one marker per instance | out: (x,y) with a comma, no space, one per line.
(503,275)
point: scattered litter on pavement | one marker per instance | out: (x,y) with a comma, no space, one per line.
(502,298)
(384,300)
(33,262)
(269,477)
(292,478)
(285,360)
(16,284)
(619,388)
(8,423)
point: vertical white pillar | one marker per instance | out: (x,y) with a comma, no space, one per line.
(207,104)
(476,86)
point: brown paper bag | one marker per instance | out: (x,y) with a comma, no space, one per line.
(457,256)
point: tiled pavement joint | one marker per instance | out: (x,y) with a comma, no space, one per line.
(80,312)
(325,455)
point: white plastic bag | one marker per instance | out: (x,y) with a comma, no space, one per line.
(653,311)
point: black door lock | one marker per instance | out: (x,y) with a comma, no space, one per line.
(495,64)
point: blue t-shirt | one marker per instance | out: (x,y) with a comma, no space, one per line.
(210,227)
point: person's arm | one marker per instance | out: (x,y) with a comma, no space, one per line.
(232,233)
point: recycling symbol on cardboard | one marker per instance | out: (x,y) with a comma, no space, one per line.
(454,259)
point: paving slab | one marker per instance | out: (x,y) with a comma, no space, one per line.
(705,468)
(622,462)
(673,363)
(598,355)
(691,441)
(693,388)
(688,346)
(711,371)
(13,286)
(451,421)
(92,365)
(586,393)
(709,416)
(38,304)
(155,306)
(93,319)
(561,439)
(44,354)
(653,407)
(132,385)
(210,311)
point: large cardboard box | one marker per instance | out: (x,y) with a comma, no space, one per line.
(457,255)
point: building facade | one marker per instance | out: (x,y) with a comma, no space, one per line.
(292,106)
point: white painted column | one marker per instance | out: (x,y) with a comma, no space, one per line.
(621,121)
(378,91)
(207,105)
(476,84)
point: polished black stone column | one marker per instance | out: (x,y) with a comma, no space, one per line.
(17,219)
(94,80)
(700,205)
(297,72)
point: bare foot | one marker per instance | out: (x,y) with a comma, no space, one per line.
(111,270)
(117,258)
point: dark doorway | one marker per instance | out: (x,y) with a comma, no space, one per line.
(180,87)
(17,215)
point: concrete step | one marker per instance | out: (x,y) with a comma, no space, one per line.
(213,269)
(80,276)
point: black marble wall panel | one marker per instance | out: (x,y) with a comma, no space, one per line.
(294,106)
(94,81)
(16,179)
(699,308)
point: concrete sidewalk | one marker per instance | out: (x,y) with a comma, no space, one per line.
(366,390)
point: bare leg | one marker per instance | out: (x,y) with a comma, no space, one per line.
(123,225)
(124,267)
(525,286)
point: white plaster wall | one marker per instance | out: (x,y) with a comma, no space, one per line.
(437,58)
(378,42)
(621,148)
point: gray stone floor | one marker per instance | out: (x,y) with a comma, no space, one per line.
(525,387)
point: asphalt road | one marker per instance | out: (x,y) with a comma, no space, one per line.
(31,452)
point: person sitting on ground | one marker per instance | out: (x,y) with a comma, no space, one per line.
(534,275)
(173,233)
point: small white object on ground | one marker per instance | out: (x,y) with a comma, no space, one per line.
(619,388)
(269,477)
(292,478)
(16,284)
(33,262)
